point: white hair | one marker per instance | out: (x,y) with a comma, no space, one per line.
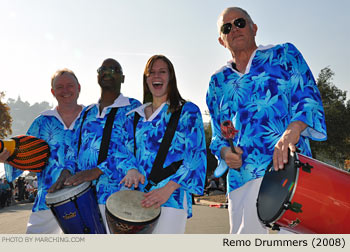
(227,10)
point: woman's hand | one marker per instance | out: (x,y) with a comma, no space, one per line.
(159,196)
(133,177)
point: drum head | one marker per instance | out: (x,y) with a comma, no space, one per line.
(276,190)
(126,206)
(66,193)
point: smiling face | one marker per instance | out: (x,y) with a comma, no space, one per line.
(158,80)
(238,39)
(65,88)
(110,75)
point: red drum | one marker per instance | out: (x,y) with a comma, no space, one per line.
(307,196)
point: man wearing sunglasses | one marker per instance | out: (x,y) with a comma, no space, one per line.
(270,95)
(87,142)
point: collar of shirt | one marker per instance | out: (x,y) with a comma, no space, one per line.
(247,69)
(141,111)
(54,112)
(121,101)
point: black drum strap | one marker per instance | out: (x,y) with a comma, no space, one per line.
(107,132)
(106,137)
(136,120)
(158,173)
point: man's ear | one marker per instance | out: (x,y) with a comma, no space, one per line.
(255,29)
(122,78)
(221,42)
(53,92)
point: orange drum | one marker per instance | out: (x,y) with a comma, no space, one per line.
(307,196)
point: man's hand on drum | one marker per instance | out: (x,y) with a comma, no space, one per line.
(83,176)
(159,196)
(233,160)
(132,178)
(288,141)
(60,181)
(4,155)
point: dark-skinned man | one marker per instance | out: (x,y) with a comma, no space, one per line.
(84,159)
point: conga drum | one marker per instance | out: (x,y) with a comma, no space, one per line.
(76,210)
(307,196)
(125,214)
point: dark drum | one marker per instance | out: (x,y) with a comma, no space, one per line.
(125,214)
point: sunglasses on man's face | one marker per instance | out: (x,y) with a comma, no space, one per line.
(111,70)
(239,23)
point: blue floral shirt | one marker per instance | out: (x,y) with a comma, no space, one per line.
(188,145)
(91,137)
(50,127)
(276,89)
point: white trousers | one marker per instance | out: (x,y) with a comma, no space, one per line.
(243,213)
(43,222)
(103,213)
(172,220)
(242,209)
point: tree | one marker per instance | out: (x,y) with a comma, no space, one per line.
(5,118)
(337,113)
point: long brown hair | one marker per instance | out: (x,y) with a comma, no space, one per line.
(173,94)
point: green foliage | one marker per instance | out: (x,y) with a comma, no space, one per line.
(337,112)
(5,118)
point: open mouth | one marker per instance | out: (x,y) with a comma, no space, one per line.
(157,85)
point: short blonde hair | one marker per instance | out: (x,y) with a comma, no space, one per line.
(61,72)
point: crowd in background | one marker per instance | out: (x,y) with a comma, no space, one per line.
(17,191)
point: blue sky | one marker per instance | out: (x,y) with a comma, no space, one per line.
(40,36)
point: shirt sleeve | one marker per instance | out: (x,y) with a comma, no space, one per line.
(217,141)
(306,103)
(192,172)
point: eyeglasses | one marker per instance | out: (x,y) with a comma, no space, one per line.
(239,23)
(112,70)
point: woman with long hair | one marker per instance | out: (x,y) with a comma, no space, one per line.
(186,156)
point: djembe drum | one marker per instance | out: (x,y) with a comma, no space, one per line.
(125,214)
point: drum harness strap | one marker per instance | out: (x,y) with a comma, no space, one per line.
(106,137)
(102,155)
(158,173)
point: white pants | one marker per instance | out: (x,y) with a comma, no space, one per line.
(172,220)
(103,213)
(43,222)
(242,210)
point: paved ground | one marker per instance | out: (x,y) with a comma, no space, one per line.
(205,220)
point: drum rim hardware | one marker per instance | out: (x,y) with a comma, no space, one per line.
(67,196)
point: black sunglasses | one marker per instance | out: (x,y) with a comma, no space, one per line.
(112,70)
(239,23)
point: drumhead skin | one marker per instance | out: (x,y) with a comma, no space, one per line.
(276,190)
(126,206)
(66,193)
